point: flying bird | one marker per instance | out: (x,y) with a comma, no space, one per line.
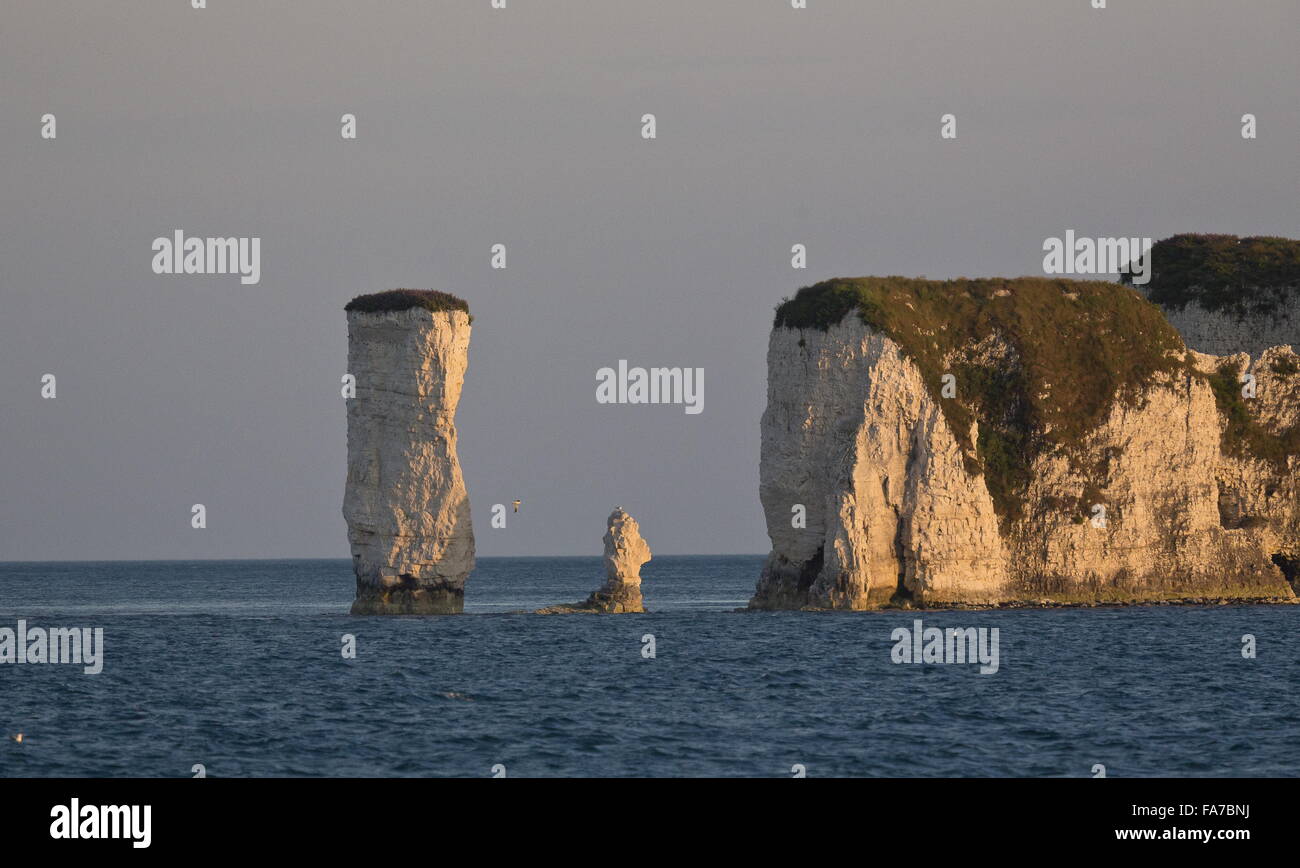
(517,502)
(19,738)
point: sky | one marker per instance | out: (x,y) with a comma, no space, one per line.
(522,126)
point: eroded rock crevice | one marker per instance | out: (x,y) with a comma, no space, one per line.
(1290,567)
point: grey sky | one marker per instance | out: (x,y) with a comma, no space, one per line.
(523,126)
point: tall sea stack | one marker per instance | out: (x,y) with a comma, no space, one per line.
(405,503)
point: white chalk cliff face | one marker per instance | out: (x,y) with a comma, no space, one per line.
(1257,496)
(406,507)
(1224,333)
(852,438)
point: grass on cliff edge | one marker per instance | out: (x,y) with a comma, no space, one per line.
(1074,348)
(1239,276)
(405,299)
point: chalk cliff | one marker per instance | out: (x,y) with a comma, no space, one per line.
(1226,294)
(405,502)
(625,552)
(1018,441)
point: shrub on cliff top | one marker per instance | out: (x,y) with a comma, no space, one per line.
(1038,362)
(405,299)
(1225,273)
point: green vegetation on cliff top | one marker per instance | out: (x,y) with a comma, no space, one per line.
(1241,276)
(405,299)
(1037,362)
(1244,436)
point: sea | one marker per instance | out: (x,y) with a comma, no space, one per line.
(238,669)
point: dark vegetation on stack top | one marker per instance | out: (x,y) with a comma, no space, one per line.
(405,299)
(1072,349)
(1241,276)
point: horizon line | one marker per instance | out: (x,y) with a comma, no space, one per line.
(477,558)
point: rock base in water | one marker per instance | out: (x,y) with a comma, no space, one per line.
(600,603)
(408,601)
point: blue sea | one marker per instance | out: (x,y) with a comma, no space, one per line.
(237,666)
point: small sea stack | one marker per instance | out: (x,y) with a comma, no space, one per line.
(625,552)
(405,502)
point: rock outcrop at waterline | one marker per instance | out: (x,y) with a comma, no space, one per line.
(992,442)
(1226,294)
(625,553)
(405,503)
